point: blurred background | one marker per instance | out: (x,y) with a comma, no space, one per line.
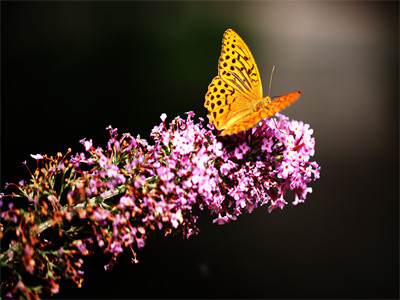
(70,69)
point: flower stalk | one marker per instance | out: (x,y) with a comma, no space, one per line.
(109,199)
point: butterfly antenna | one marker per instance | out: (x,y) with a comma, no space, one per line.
(270,81)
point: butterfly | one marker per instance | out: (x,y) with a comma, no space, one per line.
(234,98)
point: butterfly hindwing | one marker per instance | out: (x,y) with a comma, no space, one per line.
(224,106)
(246,122)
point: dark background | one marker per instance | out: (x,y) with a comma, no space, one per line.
(69,69)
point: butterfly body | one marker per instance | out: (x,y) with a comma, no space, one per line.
(234,98)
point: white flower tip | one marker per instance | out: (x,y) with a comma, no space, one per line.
(163,117)
(37,156)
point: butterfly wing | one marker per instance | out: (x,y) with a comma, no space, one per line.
(279,103)
(231,95)
(238,68)
(224,106)
(245,122)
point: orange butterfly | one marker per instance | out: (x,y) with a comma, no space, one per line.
(234,98)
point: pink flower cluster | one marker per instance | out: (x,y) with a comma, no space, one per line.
(231,175)
(131,187)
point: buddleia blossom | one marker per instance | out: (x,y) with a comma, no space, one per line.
(111,198)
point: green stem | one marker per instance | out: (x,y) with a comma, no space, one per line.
(98,200)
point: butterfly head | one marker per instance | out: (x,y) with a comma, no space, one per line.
(262,104)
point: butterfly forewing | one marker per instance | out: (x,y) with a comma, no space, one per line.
(279,103)
(238,68)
